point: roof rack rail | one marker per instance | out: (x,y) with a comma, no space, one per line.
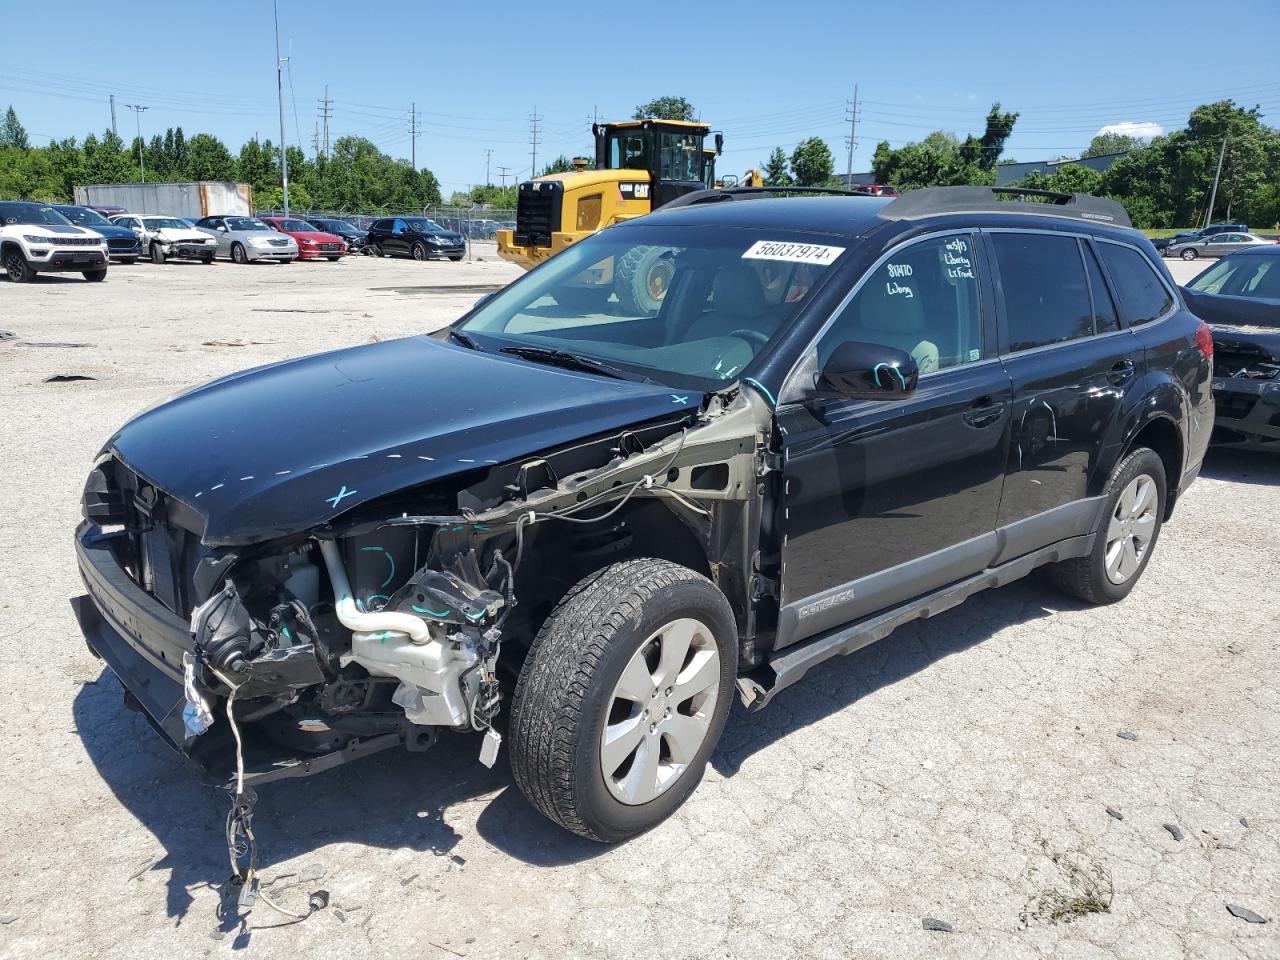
(935,201)
(755,193)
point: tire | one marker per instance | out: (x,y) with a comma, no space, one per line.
(95,276)
(376,249)
(1091,578)
(237,254)
(608,632)
(16,266)
(641,279)
(207,260)
(157,255)
(128,261)
(332,259)
(455,258)
(1189,254)
(420,252)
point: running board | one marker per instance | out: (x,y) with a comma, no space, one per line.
(792,663)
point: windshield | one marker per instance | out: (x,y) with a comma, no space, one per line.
(295,226)
(690,306)
(423,225)
(31,213)
(84,217)
(1248,276)
(246,223)
(337,225)
(166,223)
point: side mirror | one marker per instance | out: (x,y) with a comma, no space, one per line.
(868,371)
(221,228)
(483,300)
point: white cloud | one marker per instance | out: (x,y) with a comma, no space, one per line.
(1145,129)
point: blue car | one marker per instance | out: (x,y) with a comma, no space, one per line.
(122,244)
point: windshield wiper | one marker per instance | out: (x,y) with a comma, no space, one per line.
(571,361)
(465,339)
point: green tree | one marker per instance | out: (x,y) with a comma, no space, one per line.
(943,159)
(1067,178)
(12,133)
(560,164)
(206,158)
(775,171)
(811,162)
(258,164)
(1107,143)
(999,127)
(666,108)
(500,198)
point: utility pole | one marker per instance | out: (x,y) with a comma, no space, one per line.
(137,115)
(114,131)
(488,154)
(284,157)
(413,134)
(534,131)
(326,110)
(503,173)
(1213,194)
(852,117)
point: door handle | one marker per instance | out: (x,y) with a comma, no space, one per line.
(983,412)
(1121,371)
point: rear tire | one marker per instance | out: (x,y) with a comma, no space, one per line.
(332,259)
(206,260)
(95,276)
(641,279)
(16,266)
(643,652)
(1125,536)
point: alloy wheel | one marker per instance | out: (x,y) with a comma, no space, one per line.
(660,711)
(1133,522)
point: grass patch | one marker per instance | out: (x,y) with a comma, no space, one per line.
(1073,890)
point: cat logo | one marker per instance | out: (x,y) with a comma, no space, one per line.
(634,191)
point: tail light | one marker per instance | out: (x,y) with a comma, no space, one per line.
(1204,340)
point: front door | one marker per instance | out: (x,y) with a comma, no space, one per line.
(1070,364)
(888,500)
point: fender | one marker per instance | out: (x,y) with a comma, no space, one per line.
(1155,396)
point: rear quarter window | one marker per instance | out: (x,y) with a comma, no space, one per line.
(1142,294)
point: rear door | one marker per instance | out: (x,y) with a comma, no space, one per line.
(1069,362)
(887,500)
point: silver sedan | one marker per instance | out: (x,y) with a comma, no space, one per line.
(245,239)
(1218,245)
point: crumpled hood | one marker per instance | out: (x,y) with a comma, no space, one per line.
(173,234)
(279,449)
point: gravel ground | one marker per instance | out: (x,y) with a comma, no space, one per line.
(955,771)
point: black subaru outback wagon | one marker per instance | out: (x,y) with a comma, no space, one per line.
(842,414)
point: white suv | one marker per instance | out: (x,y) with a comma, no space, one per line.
(164,237)
(35,238)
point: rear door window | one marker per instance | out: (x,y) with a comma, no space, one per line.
(1046,293)
(1142,294)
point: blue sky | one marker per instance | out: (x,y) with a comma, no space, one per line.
(478,70)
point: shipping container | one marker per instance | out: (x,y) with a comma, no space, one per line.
(188,200)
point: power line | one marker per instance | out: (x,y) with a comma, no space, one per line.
(502,175)
(534,131)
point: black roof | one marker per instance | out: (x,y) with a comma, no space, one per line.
(837,215)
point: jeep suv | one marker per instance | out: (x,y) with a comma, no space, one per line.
(36,238)
(842,414)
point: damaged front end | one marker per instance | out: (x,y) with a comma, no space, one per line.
(1246,387)
(386,624)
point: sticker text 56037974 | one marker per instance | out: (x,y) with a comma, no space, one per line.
(815,253)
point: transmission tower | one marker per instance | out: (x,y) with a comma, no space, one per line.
(534,139)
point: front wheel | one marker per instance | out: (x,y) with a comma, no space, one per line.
(455,257)
(375,249)
(94,276)
(157,254)
(332,259)
(1189,254)
(641,279)
(238,255)
(419,251)
(128,261)
(16,266)
(207,259)
(1126,533)
(622,698)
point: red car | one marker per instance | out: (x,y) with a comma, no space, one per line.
(313,244)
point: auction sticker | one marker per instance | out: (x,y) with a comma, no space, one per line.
(814,253)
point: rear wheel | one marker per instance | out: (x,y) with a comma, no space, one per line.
(16,266)
(95,275)
(623,697)
(641,279)
(1189,254)
(1126,533)
(237,254)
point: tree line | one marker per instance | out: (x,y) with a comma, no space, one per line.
(355,177)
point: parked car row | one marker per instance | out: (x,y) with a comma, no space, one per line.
(1219,244)
(40,237)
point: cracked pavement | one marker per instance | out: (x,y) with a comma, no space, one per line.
(916,778)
